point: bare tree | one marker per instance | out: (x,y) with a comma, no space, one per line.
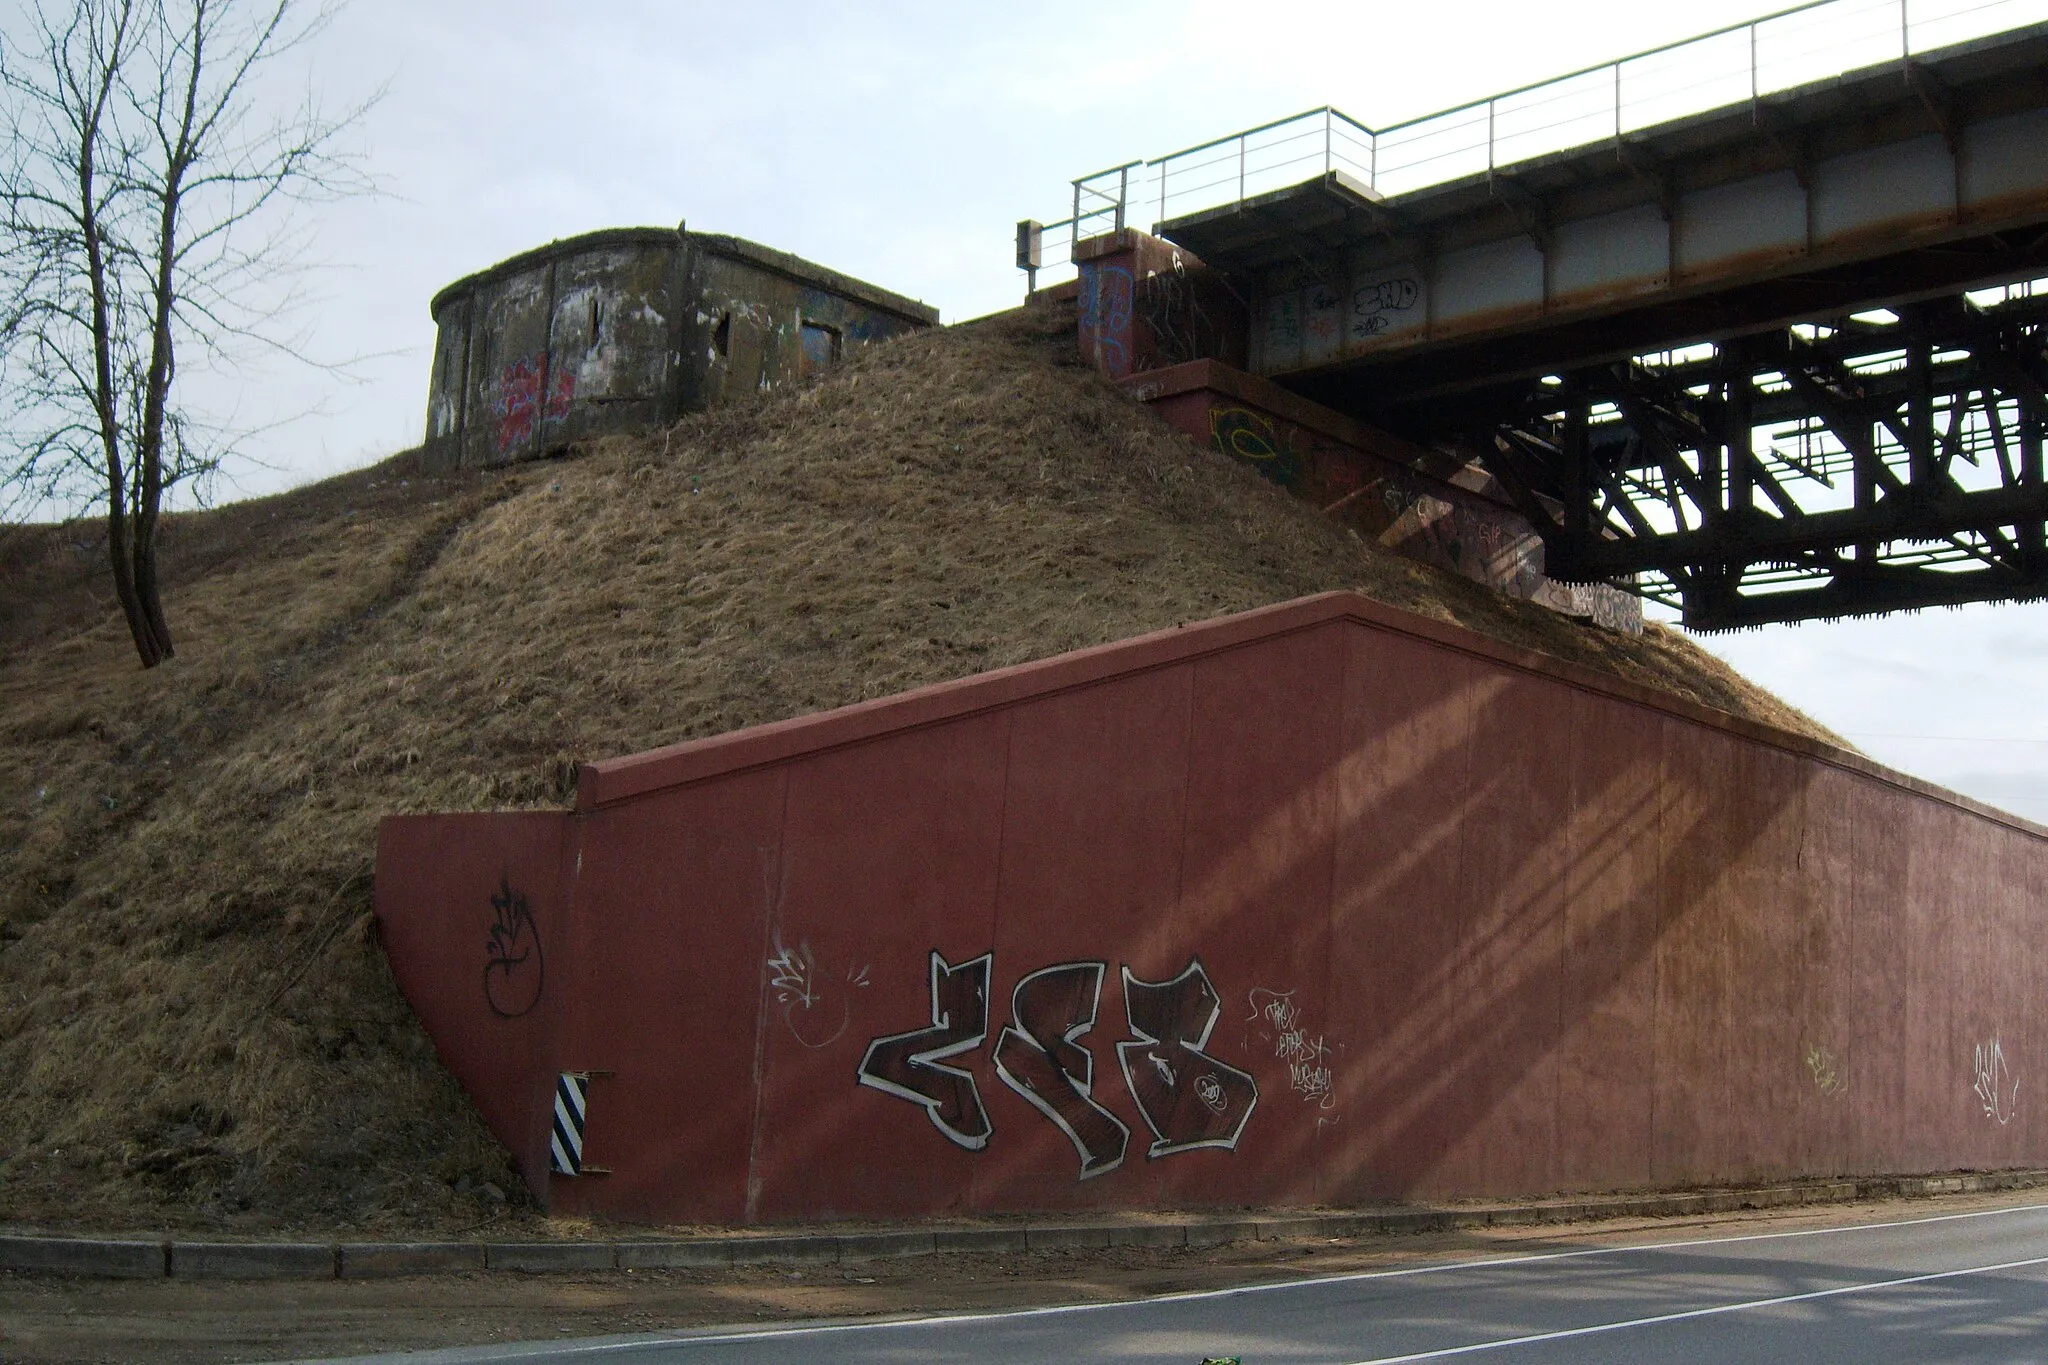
(146,183)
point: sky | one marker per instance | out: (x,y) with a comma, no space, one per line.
(900,142)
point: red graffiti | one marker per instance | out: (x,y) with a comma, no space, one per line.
(517,402)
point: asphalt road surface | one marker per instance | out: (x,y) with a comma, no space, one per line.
(1958,1287)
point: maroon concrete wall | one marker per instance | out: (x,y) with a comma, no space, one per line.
(1360,906)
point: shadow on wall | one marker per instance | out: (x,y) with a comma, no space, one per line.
(1320,903)
(1476,1015)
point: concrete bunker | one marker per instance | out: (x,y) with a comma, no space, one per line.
(627,327)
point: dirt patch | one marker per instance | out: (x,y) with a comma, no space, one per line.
(196,1027)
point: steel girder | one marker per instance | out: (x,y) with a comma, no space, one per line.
(1886,461)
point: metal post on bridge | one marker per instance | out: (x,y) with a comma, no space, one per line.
(1030,252)
(1756,113)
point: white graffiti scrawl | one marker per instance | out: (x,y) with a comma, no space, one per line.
(817,1004)
(1279,1020)
(1996,1089)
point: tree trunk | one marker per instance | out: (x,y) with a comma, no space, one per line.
(149,597)
(150,646)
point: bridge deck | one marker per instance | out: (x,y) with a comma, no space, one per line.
(1890,183)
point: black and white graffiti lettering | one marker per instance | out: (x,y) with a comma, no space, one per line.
(1371,303)
(912,1066)
(1187,1098)
(1037,1056)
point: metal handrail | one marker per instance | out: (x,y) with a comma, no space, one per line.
(1350,145)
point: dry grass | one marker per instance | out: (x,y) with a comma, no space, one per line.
(195,1026)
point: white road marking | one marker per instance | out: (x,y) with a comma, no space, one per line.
(1596,1329)
(721,1338)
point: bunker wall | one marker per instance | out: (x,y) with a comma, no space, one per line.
(620,330)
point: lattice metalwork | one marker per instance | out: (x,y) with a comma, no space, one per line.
(1878,462)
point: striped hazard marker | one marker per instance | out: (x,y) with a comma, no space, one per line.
(565,1147)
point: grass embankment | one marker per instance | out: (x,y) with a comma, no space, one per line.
(196,1028)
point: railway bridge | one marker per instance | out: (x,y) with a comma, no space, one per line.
(1752,325)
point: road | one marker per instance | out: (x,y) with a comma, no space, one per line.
(1949,1288)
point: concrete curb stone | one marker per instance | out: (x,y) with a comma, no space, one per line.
(1149,1235)
(1218,1234)
(1075,1237)
(105,1260)
(981,1239)
(131,1258)
(1291,1229)
(769,1250)
(374,1260)
(876,1246)
(551,1256)
(709,1253)
(254,1260)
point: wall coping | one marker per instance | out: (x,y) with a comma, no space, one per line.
(560,246)
(717,244)
(609,782)
(811,273)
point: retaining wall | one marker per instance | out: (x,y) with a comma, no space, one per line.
(1374,482)
(1323,903)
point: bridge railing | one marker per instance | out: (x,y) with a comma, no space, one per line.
(1739,64)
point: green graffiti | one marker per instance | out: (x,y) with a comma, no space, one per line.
(1245,435)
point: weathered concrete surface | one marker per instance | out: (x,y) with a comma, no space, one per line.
(368,1260)
(137,1259)
(617,330)
(96,1257)
(1378,484)
(253,1260)
(1322,904)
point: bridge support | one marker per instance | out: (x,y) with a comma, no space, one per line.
(1878,462)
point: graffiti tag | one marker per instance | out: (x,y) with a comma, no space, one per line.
(1187,1098)
(1038,1056)
(1306,1055)
(1105,307)
(912,1065)
(1826,1071)
(1249,436)
(514,971)
(816,1005)
(1371,304)
(519,406)
(1999,1099)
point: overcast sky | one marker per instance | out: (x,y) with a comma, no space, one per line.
(900,142)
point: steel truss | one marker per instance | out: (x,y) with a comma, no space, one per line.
(1881,462)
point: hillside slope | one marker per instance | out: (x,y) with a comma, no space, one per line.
(196,1027)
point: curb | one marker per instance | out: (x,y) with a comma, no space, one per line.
(139,1258)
